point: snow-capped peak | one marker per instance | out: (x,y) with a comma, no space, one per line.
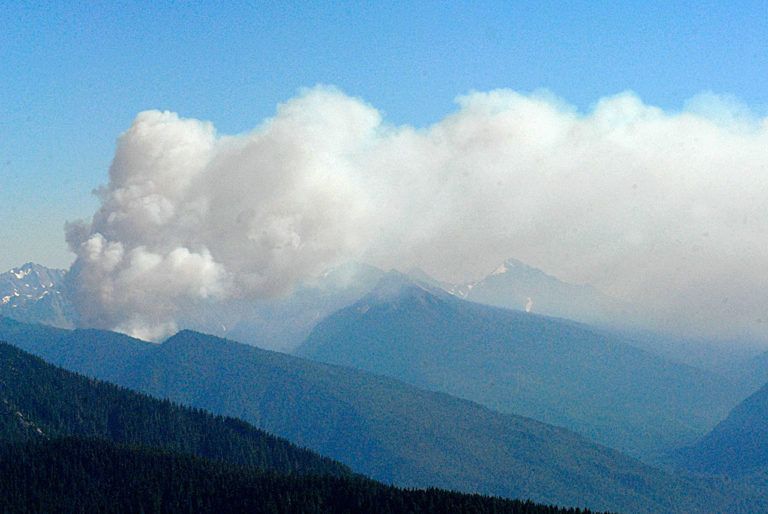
(20,273)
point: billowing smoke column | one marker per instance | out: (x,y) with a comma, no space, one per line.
(189,215)
(660,209)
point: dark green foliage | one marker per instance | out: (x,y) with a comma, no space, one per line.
(553,370)
(38,400)
(72,475)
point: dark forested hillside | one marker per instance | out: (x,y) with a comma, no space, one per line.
(40,401)
(550,369)
(74,475)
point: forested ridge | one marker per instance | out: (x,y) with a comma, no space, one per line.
(38,400)
(383,428)
(73,444)
(76,475)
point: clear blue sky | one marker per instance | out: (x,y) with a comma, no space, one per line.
(73,75)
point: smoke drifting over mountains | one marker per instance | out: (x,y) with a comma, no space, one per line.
(662,209)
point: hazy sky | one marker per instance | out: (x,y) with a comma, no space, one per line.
(74,75)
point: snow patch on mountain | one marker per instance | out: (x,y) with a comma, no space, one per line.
(34,293)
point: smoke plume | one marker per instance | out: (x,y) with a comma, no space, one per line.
(663,209)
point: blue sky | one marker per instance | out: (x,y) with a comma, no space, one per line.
(74,75)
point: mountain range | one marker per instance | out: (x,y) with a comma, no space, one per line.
(623,407)
(37,294)
(378,426)
(72,444)
(518,286)
(486,342)
(282,323)
(551,369)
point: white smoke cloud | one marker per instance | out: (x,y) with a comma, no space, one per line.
(662,209)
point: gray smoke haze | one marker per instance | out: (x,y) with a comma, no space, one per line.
(665,210)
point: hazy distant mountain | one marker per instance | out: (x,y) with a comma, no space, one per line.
(737,446)
(36,294)
(381,427)
(551,369)
(283,323)
(515,285)
(751,373)
(719,356)
(420,276)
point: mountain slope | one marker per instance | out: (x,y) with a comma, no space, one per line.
(96,353)
(74,475)
(394,432)
(737,446)
(40,401)
(551,369)
(750,372)
(387,430)
(283,323)
(515,285)
(37,294)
